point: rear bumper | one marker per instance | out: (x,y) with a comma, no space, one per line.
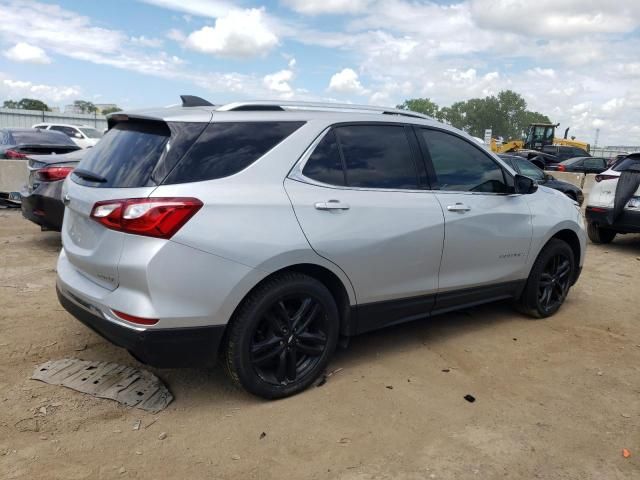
(163,348)
(627,222)
(44,206)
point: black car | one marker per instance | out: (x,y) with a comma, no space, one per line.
(17,143)
(528,169)
(580,165)
(42,196)
(564,152)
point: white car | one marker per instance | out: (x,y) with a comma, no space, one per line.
(82,135)
(606,217)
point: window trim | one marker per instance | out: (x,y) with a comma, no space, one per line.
(296,171)
(433,178)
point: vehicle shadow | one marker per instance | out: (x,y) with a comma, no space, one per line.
(192,387)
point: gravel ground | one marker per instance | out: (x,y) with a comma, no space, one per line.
(555,399)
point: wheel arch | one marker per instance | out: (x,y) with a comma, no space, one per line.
(571,238)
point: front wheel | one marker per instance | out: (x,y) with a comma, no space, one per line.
(282,337)
(599,235)
(549,281)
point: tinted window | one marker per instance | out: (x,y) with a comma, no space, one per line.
(91,132)
(377,156)
(226,148)
(324,164)
(594,163)
(68,131)
(40,137)
(461,166)
(631,163)
(528,169)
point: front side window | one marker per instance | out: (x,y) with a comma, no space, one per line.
(377,156)
(528,169)
(460,166)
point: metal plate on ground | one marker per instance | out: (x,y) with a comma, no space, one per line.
(127,385)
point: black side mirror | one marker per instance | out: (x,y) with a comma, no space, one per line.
(524,185)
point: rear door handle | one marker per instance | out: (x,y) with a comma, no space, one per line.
(331,205)
(458,207)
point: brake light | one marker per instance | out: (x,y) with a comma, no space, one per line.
(600,178)
(51,174)
(561,168)
(151,217)
(134,319)
(13,155)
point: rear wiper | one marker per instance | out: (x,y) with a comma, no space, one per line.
(89,176)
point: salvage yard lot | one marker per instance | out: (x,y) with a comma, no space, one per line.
(555,398)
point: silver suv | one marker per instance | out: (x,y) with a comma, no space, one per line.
(268,232)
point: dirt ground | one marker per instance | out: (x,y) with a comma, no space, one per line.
(555,399)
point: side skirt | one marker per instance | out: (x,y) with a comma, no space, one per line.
(373,316)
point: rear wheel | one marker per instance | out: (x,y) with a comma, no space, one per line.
(549,281)
(598,234)
(283,336)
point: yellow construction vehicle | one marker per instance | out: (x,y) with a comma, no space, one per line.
(539,136)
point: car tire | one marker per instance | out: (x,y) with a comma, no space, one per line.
(282,336)
(549,281)
(600,235)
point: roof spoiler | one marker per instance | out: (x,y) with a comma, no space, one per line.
(193,101)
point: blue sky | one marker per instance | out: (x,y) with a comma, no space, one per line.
(578,61)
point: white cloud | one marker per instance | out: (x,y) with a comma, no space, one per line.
(278,82)
(17,89)
(317,7)
(143,41)
(203,8)
(240,34)
(24,52)
(346,81)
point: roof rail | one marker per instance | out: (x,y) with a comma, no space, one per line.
(321,106)
(193,101)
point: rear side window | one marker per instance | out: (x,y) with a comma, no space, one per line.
(40,137)
(324,164)
(460,166)
(226,148)
(377,156)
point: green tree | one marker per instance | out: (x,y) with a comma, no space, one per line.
(85,107)
(107,111)
(27,104)
(420,105)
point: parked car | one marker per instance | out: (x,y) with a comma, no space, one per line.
(42,196)
(525,167)
(82,135)
(614,207)
(271,230)
(580,165)
(564,152)
(17,143)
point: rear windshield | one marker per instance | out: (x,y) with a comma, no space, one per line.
(226,148)
(40,137)
(631,163)
(137,153)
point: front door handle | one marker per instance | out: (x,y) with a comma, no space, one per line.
(331,205)
(458,207)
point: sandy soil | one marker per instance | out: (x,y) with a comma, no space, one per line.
(555,399)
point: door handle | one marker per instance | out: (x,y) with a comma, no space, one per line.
(458,207)
(331,205)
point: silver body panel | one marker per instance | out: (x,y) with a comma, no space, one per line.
(387,245)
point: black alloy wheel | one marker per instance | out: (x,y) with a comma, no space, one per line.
(289,340)
(554,282)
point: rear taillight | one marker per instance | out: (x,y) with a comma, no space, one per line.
(13,155)
(561,168)
(600,178)
(151,217)
(51,174)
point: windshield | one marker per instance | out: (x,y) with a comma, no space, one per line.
(40,137)
(528,169)
(91,132)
